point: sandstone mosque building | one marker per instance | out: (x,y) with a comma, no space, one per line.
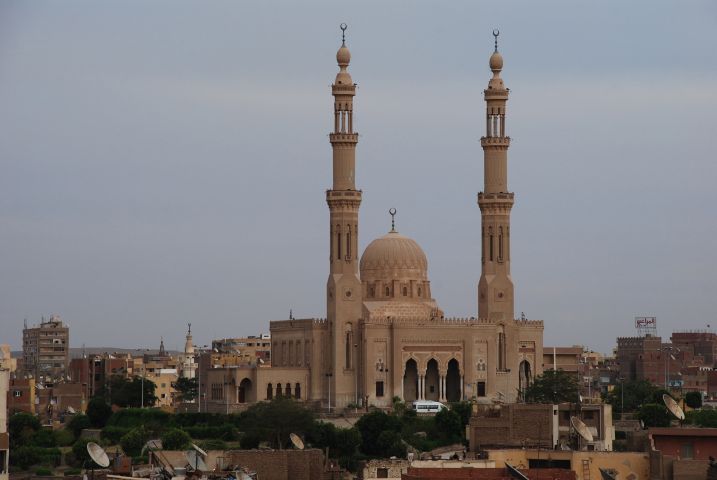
(385,335)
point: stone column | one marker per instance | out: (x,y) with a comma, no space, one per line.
(461,380)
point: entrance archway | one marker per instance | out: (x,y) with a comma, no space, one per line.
(245,391)
(453,381)
(410,381)
(432,379)
(526,377)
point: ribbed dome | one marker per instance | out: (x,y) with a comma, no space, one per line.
(394,256)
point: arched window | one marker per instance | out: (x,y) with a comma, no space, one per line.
(419,291)
(278,390)
(338,242)
(348,242)
(269,392)
(501,350)
(287,390)
(482,244)
(388,292)
(297,391)
(349,346)
(405,291)
(500,244)
(490,243)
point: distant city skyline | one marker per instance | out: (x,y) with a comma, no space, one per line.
(166,163)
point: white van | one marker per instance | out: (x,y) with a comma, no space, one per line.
(427,406)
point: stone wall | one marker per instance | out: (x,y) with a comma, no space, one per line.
(281,464)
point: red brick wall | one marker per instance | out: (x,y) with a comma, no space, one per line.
(483,474)
(281,464)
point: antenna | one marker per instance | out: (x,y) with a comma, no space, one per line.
(98,455)
(297,441)
(581,429)
(672,406)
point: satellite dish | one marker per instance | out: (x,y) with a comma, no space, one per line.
(202,452)
(195,460)
(581,428)
(672,406)
(71,410)
(515,473)
(297,441)
(607,475)
(98,455)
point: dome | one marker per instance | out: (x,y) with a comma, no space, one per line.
(394,256)
(496,62)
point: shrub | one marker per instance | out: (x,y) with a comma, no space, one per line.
(133,442)
(73,471)
(213,444)
(693,399)
(175,439)
(43,438)
(22,427)
(28,455)
(98,412)
(79,452)
(43,472)
(78,423)
(114,434)
(63,438)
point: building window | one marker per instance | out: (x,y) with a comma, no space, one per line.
(419,291)
(687,451)
(287,390)
(379,389)
(405,291)
(500,244)
(480,387)
(388,292)
(382,472)
(269,392)
(297,391)
(490,244)
(501,350)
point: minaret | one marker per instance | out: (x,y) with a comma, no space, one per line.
(343,292)
(495,288)
(189,344)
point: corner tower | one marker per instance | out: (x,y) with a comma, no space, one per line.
(495,288)
(343,289)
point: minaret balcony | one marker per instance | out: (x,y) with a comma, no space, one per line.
(343,137)
(495,142)
(501,200)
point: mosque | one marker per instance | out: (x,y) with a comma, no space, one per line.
(384,335)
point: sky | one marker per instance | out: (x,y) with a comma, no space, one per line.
(166,162)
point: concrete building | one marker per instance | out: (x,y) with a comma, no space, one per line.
(699,343)
(95,371)
(681,453)
(21,395)
(251,349)
(46,350)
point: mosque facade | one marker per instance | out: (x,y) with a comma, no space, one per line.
(384,335)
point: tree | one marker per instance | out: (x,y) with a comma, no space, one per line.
(347,442)
(553,386)
(372,426)
(390,444)
(633,394)
(22,428)
(126,392)
(654,415)
(274,421)
(186,388)
(133,441)
(449,424)
(693,399)
(78,423)
(79,451)
(98,412)
(464,409)
(175,439)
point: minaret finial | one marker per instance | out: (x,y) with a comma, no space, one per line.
(392,212)
(343,28)
(496,32)
(189,331)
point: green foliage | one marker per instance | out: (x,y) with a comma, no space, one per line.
(152,419)
(274,421)
(693,399)
(213,444)
(702,418)
(464,410)
(79,452)
(126,392)
(186,388)
(98,412)
(43,472)
(636,393)
(44,438)
(73,472)
(78,423)
(175,439)
(553,386)
(113,434)
(27,455)
(391,444)
(225,432)
(22,428)
(449,424)
(133,442)
(372,426)
(654,415)
(63,438)
(347,442)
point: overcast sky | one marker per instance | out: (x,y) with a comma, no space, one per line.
(165,162)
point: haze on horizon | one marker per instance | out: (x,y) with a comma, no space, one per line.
(165,162)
